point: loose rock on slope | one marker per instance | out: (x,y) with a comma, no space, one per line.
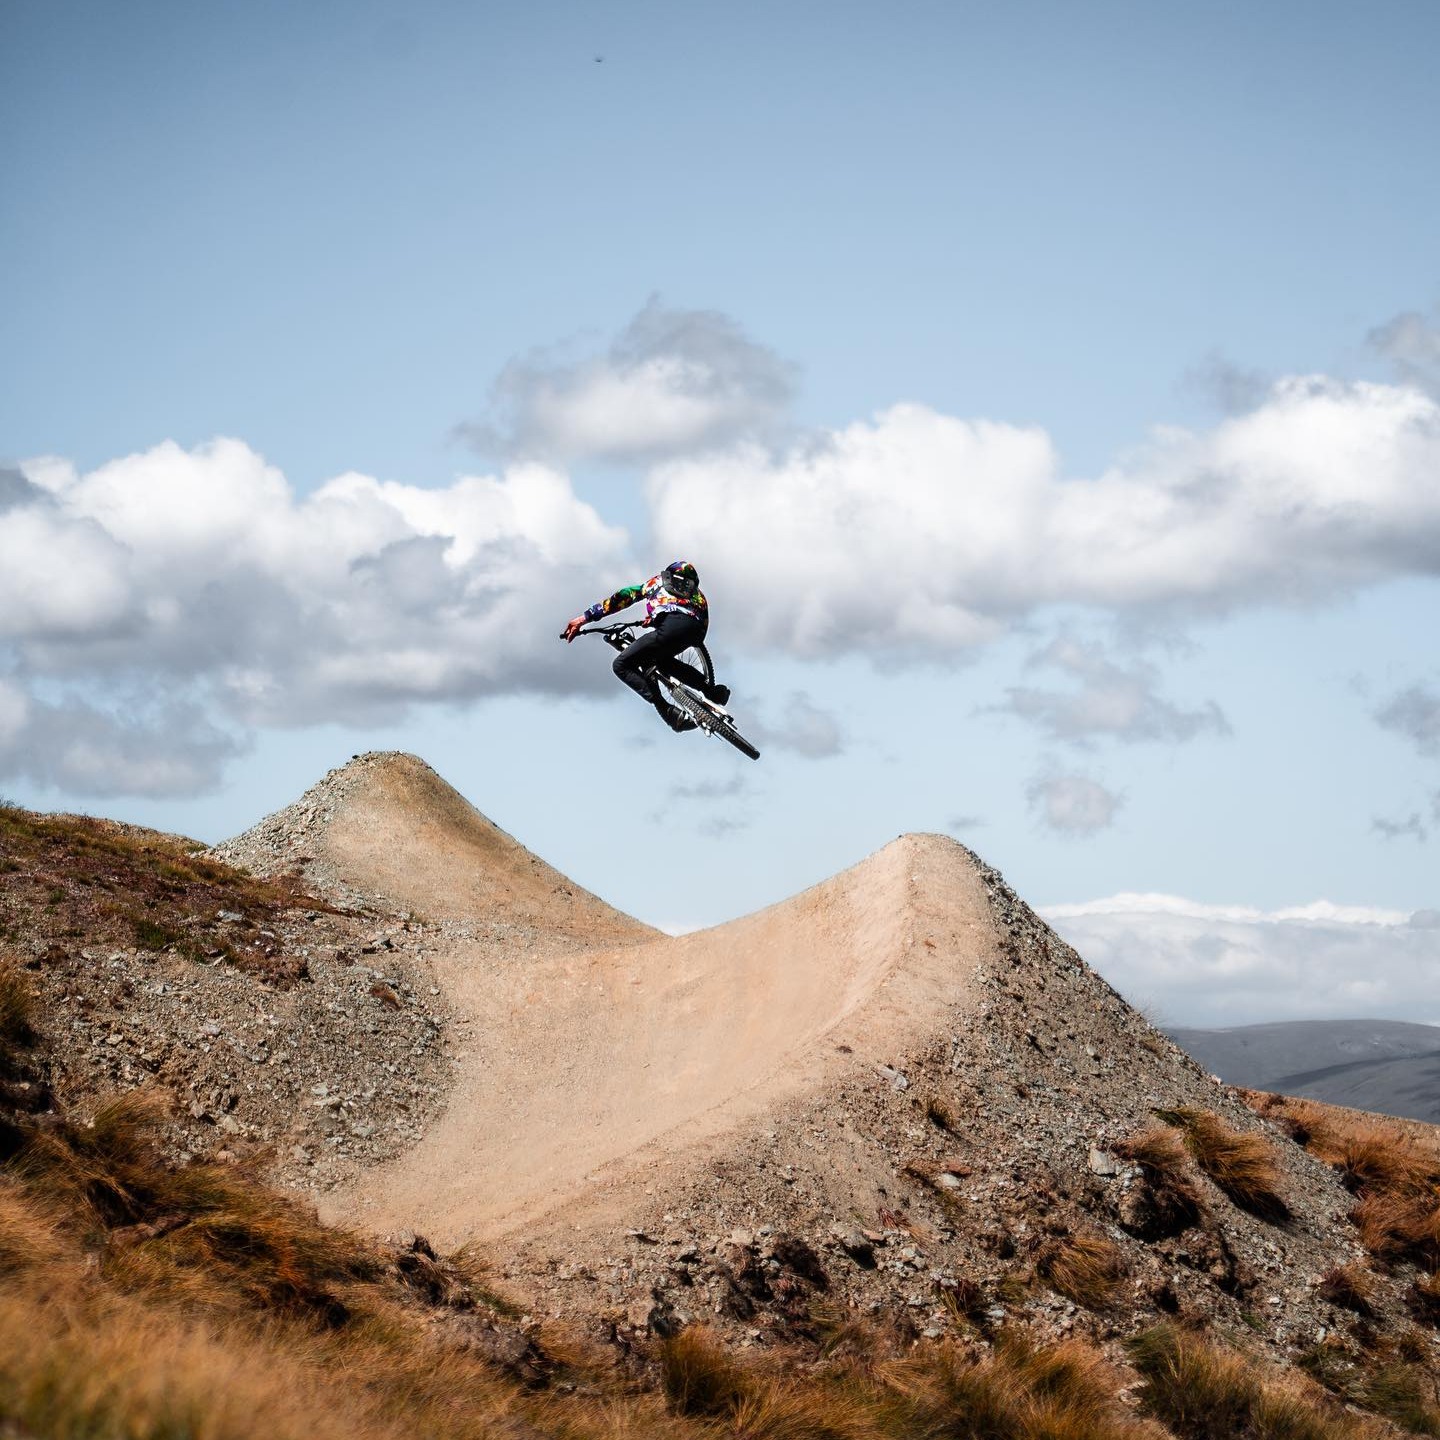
(898,1091)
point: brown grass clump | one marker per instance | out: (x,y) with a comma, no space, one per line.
(206,1231)
(1408,1395)
(1015,1392)
(1088,1269)
(1203,1392)
(1371,1156)
(29,1237)
(1348,1287)
(1170,1201)
(1064,1392)
(1405,1392)
(17,1006)
(699,1377)
(1242,1165)
(71,875)
(1397,1226)
(1394,1170)
(1423,1299)
(939,1114)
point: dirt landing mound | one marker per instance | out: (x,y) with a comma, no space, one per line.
(386,829)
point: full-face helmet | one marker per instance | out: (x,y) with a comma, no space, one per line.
(680,578)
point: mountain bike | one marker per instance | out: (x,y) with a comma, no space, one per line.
(713,719)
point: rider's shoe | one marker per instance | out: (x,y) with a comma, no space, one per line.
(675,718)
(720,694)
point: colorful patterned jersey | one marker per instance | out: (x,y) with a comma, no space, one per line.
(658,601)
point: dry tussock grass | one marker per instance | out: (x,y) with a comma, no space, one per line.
(1377,1157)
(29,1235)
(698,1375)
(154,1342)
(1173,1197)
(1242,1165)
(1203,1392)
(1407,1394)
(1088,1269)
(1396,1227)
(17,1006)
(1348,1287)
(220,1311)
(1393,1170)
(1016,1392)
(1064,1392)
(105,1366)
(204,1232)
(1423,1299)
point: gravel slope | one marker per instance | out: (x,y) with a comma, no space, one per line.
(898,1091)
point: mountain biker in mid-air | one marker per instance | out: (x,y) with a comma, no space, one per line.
(677,616)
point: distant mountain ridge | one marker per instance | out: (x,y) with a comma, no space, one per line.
(1388,1066)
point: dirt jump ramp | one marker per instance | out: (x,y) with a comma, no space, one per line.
(895,1081)
(591,1048)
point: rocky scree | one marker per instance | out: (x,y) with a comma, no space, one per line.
(935,1188)
(285,1028)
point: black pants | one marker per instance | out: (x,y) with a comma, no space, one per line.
(667,636)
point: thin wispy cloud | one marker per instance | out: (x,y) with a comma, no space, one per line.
(1232,389)
(710,789)
(1107,700)
(1411,342)
(802,728)
(1411,827)
(1415,714)
(1073,806)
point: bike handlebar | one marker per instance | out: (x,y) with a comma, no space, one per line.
(605,629)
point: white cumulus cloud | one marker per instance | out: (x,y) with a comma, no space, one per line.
(1215,965)
(673,382)
(918,534)
(155,609)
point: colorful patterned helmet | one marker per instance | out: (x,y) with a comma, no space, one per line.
(680,579)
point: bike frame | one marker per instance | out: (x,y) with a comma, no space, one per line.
(623,635)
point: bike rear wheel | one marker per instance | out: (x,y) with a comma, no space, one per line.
(697,657)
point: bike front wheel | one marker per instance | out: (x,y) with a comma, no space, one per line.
(709,721)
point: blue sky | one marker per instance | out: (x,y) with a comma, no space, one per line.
(1080,364)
